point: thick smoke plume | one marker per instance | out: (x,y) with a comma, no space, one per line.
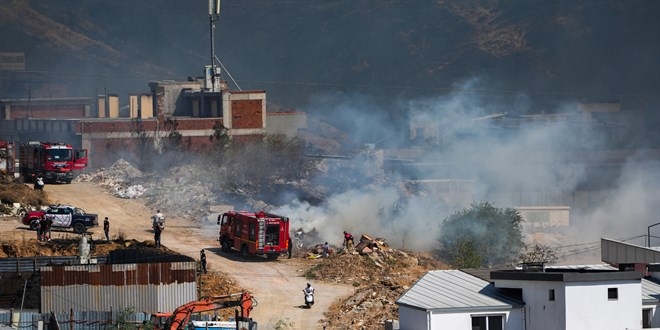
(510,160)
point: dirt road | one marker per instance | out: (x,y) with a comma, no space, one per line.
(276,285)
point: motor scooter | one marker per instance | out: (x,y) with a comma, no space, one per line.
(309,299)
(39,183)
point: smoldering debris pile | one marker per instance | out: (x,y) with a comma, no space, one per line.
(379,273)
(182,191)
(119,180)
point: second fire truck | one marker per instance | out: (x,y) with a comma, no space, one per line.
(257,233)
(53,160)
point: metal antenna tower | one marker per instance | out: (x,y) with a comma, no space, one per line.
(214,13)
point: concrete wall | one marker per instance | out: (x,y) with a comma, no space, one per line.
(545,216)
(44,108)
(579,305)
(540,311)
(587,306)
(170,93)
(133,106)
(101,110)
(412,319)
(113,106)
(415,319)
(287,123)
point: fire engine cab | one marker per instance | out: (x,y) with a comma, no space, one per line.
(257,233)
(55,161)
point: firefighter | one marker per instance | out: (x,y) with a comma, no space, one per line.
(289,247)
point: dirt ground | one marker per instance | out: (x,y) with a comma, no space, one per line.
(277,285)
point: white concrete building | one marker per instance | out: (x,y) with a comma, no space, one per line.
(538,299)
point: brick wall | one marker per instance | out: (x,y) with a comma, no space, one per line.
(247,114)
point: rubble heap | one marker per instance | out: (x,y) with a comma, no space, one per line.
(380,275)
(119,180)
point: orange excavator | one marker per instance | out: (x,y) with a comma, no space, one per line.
(180,317)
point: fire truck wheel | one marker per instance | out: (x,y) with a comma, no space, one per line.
(68,181)
(244,251)
(79,228)
(225,245)
(34,224)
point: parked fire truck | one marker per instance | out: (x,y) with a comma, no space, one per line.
(53,160)
(7,157)
(258,233)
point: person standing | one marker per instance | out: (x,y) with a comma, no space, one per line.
(157,231)
(289,247)
(202,259)
(38,227)
(106,228)
(326,249)
(43,224)
(49,227)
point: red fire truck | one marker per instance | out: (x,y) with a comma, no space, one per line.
(258,233)
(53,160)
(7,157)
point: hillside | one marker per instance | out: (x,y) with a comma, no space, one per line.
(544,52)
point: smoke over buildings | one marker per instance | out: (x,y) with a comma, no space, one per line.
(509,160)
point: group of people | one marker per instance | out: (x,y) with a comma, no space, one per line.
(44,229)
(348,244)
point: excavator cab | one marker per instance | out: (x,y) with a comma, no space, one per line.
(159,320)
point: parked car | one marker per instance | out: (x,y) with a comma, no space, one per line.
(63,216)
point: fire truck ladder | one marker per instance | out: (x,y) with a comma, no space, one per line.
(261,234)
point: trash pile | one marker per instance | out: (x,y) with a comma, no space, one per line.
(379,273)
(118,180)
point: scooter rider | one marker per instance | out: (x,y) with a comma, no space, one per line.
(309,290)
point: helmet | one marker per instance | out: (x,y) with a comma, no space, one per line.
(202,250)
(309,285)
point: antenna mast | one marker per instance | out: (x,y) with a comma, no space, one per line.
(214,12)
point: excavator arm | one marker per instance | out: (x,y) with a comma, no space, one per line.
(181,316)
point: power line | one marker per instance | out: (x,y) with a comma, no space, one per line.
(357,86)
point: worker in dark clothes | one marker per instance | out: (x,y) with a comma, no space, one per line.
(202,259)
(157,231)
(289,246)
(106,228)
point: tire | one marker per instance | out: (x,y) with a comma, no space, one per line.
(79,228)
(244,251)
(33,224)
(68,181)
(225,245)
(272,256)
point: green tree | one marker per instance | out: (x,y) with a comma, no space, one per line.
(467,255)
(481,235)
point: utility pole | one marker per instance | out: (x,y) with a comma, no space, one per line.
(214,12)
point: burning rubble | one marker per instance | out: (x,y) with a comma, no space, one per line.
(380,274)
